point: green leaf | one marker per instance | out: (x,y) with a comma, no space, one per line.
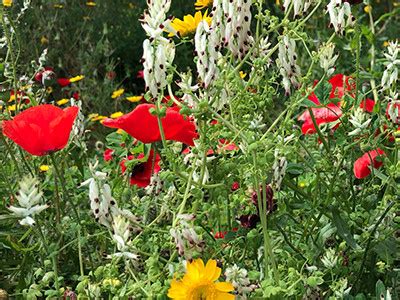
(365,31)
(343,230)
(323,92)
(380,290)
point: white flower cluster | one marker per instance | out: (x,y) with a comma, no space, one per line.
(287,64)
(102,203)
(360,120)
(29,198)
(299,6)
(158,51)
(279,168)
(327,58)
(185,237)
(122,232)
(207,54)
(393,110)
(197,162)
(391,73)
(340,15)
(330,259)
(240,281)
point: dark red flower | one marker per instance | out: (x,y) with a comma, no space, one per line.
(141,172)
(142,125)
(45,74)
(63,82)
(270,202)
(107,155)
(362,166)
(235,186)
(41,129)
(249,221)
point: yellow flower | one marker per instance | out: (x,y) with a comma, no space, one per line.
(116,115)
(44,168)
(119,131)
(112,281)
(199,283)
(62,102)
(91,3)
(134,98)
(49,90)
(58,6)
(200,4)
(7,3)
(11,107)
(76,78)
(368,9)
(189,24)
(385,43)
(242,74)
(96,117)
(117,93)
(12,98)
(44,40)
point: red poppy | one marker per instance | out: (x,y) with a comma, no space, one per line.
(107,155)
(140,74)
(368,105)
(362,166)
(142,125)
(323,115)
(141,173)
(63,82)
(41,129)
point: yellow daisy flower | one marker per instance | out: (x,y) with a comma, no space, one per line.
(367,9)
(91,3)
(117,93)
(200,4)
(76,78)
(7,3)
(116,115)
(189,24)
(199,283)
(12,98)
(44,168)
(242,74)
(62,102)
(134,98)
(11,107)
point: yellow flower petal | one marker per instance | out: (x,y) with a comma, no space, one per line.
(117,93)
(224,286)
(7,3)
(76,78)
(200,4)
(116,115)
(134,98)
(189,24)
(91,3)
(44,168)
(212,271)
(62,102)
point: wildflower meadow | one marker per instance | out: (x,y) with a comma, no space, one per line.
(200,149)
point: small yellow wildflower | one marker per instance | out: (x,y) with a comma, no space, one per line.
(96,117)
(189,24)
(119,131)
(44,168)
(62,102)
(12,98)
(44,40)
(117,93)
(91,3)
(368,9)
(116,115)
(49,90)
(199,283)
(200,4)
(385,43)
(58,6)
(7,3)
(302,184)
(242,74)
(134,98)
(76,78)
(11,107)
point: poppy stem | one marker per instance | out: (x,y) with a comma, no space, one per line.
(320,135)
(11,154)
